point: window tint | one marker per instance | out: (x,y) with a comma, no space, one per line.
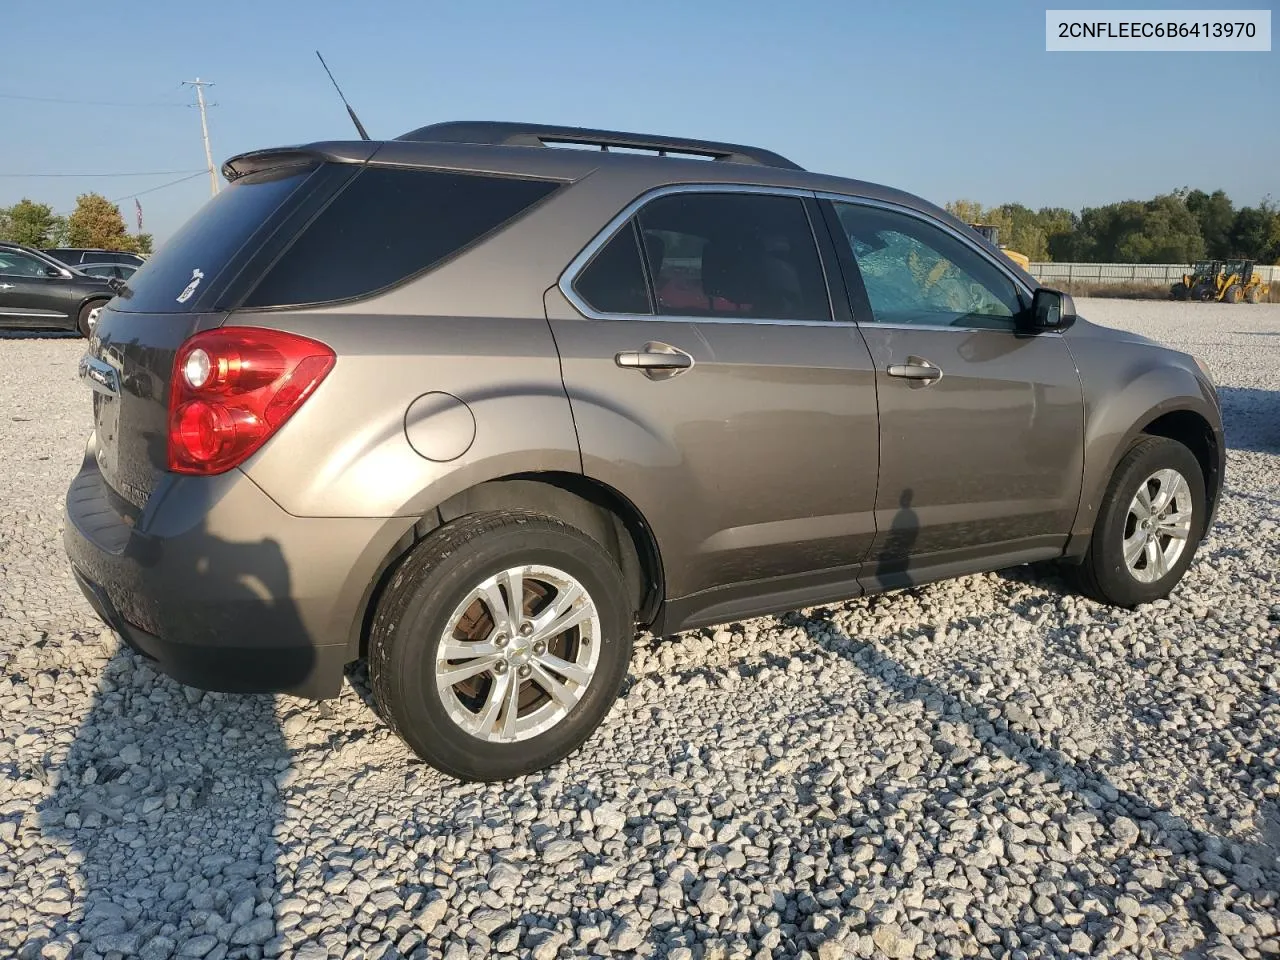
(389,224)
(613,282)
(915,272)
(733,255)
(15,264)
(206,243)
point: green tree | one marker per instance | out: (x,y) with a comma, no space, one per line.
(1025,233)
(970,211)
(1251,232)
(1060,227)
(1216,216)
(143,243)
(33,224)
(1161,230)
(97,222)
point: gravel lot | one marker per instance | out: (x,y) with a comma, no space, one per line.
(985,767)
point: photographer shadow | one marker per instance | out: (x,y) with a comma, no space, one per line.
(168,795)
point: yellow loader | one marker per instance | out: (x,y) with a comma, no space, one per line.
(1220,281)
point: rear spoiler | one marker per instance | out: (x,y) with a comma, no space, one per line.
(332,151)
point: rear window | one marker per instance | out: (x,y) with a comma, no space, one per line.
(185,273)
(390,224)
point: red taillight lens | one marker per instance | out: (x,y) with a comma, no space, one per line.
(234,387)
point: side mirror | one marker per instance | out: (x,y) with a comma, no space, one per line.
(1051,310)
(56,273)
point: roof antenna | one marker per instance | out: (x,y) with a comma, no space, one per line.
(351,113)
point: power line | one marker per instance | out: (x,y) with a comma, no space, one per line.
(90,103)
(190,176)
(142,173)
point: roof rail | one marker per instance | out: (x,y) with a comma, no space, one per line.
(540,135)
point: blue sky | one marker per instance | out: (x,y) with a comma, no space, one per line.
(946,100)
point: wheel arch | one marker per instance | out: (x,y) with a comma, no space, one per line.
(595,508)
(1187,419)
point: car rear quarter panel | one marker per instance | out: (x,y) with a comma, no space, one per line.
(1128,384)
(346,453)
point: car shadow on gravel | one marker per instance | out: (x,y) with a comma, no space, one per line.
(168,802)
(39,335)
(1129,820)
(1251,419)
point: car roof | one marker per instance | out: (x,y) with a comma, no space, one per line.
(533,150)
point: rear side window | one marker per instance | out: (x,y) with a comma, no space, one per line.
(613,282)
(733,255)
(387,225)
(185,271)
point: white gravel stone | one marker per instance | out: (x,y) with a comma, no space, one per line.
(982,767)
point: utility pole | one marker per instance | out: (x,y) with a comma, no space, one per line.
(204,128)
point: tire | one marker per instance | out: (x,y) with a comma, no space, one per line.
(435,590)
(1203,293)
(1179,291)
(1253,294)
(88,317)
(1104,574)
(1233,294)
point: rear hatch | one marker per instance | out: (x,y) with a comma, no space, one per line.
(189,285)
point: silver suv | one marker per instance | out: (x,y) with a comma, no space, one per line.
(479,407)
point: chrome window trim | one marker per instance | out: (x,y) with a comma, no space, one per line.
(578,263)
(1019,284)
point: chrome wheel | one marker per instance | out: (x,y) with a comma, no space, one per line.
(93,317)
(1157,526)
(518,653)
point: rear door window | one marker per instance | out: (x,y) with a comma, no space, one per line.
(390,224)
(733,255)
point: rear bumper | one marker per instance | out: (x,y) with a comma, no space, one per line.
(221,588)
(304,671)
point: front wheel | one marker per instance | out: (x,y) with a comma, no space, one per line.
(500,644)
(1179,291)
(1149,524)
(1234,294)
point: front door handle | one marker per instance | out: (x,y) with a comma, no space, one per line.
(657,361)
(918,369)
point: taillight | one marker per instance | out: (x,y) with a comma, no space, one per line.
(232,388)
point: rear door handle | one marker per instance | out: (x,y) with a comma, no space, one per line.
(916,368)
(656,360)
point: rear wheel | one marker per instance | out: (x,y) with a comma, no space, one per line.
(500,644)
(1202,292)
(1179,291)
(1234,294)
(1253,294)
(1148,527)
(88,318)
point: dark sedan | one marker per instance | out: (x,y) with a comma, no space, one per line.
(39,291)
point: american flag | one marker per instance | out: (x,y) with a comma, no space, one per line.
(138,207)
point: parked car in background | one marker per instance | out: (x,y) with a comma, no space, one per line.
(548,397)
(121,271)
(75,256)
(37,291)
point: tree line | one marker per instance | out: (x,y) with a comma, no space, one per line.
(96,223)
(1178,227)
